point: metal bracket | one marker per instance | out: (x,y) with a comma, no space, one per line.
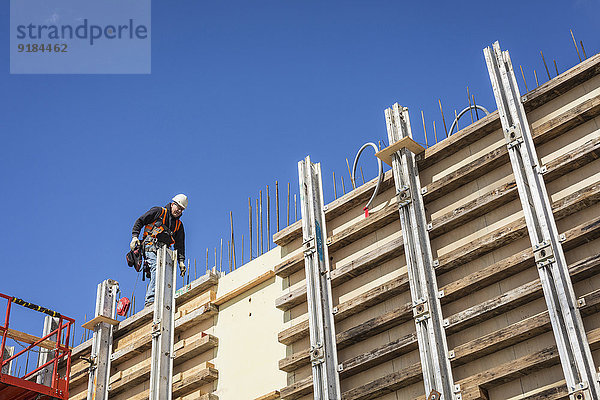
(580,392)
(434,395)
(543,253)
(317,354)
(421,310)
(513,136)
(403,196)
(310,246)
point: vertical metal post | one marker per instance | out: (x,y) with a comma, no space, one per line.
(163,326)
(427,310)
(323,355)
(567,325)
(102,341)
(44,377)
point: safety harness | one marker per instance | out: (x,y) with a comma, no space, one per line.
(159,230)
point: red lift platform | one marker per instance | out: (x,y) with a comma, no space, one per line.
(25,387)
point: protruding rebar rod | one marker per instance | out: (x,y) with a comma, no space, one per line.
(545,65)
(232,242)
(524,81)
(268,219)
(250,224)
(556,68)
(257,231)
(583,50)
(295,209)
(435,132)
(424,129)
(343,187)
(288,205)
(334,186)
(469,100)
(456,119)
(475,105)
(221,258)
(277,203)
(536,78)
(443,119)
(575,44)
(260,203)
(215,266)
(350,173)
(229,253)
(362,175)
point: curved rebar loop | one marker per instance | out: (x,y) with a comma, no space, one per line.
(380,166)
(471,107)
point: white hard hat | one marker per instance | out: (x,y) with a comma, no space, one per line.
(181,199)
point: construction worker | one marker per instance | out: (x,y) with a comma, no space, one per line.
(161,226)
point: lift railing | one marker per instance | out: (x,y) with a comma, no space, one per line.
(58,349)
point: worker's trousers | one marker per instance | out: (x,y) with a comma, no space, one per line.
(151,259)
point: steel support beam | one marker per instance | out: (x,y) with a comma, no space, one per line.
(427,310)
(323,355)
(567,325)
(99,373)
(163,326)
(44,376)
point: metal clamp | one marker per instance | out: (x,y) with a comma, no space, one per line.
(420,310)
(309,246)
(513,136)
(317,354)
(403,196)
(543,253)
(580,392)
(156,329)
(434,395)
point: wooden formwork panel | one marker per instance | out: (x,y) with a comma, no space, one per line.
(498,327)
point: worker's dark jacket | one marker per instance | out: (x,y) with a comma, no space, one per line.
(152,216)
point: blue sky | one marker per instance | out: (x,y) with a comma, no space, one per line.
(239,92)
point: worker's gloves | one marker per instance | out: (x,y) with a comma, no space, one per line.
(181,268)
(134,242)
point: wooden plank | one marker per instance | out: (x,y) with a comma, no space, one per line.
(563,83)
(386,384)
(274,395)
(91,324)
(575,116)
(375,221)
(408,143)
(193,289)
(245,287)
(465,174)
(30,339)
(494,306)
(555,391)
(191,381)
(289,265)
(388,351)
(577,158)
(297,389)
(457,141)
